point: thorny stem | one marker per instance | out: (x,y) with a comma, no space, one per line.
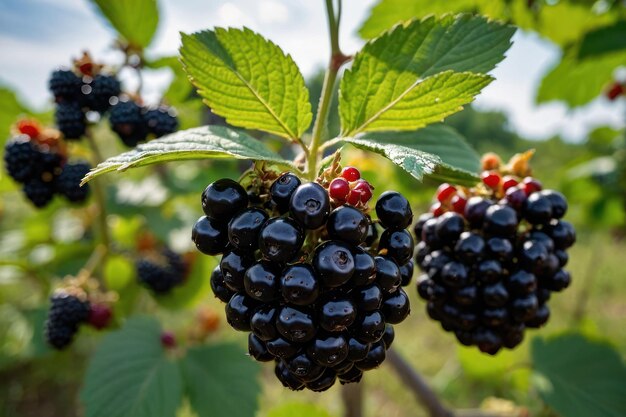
(99,195)
(337,58)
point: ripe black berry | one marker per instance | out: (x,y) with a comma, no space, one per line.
(337,315)
(328,350)
(334,263)
(368,298)
(21,159)
(68,182)
(263,322)
(258,350)
(397,244)
(102,88)
(280,240)
(299,285)
(244,228)
(162,273)
(305,368)
(209,235)
(296,324)
(394,210)
(387,274)
(396,307)
(500,221)
(66,313)
(261,281)
(375,357)
(126,119)
(288,379)
(282,189)
(64,85)
(371,326)
(537,209)
(310,205)
(221,291)
(161,121)
(239,311)
(348,224)
(234,265)
(70,119)
(223,199)
(364,268)
(39,192)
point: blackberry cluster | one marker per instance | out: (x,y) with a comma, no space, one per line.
(76,93)
(303,273)
(491,265)
(43,171)
(133,123)
(66,314)
(161,272)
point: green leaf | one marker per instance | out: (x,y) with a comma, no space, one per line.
(135,20)
(389,12)
(579,82)
(579,377)
(298,409)
(130,375)
(604,40)
(420,73)
(248,80)
(10,110)
(437,151)
(221,381)
(197,143)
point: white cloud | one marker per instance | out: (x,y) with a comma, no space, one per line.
(271,11)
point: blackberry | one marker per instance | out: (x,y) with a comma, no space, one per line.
(490,271)
(102,88)
(21,159)
(68,182)
(394,210)
(39,192)
(126,119)
(161,273)
(70,120)
(161,121)
(64,85)
(303,280)
(66,313)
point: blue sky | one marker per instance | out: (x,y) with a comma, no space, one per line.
(37,36)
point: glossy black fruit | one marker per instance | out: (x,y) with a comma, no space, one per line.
(282,189)
(394,210)
(280,240)
(310,205)
(209,235)
(223,199)
(334,263)
(299,284)
(397,244)
(245,227)
(349,225)
(262,282)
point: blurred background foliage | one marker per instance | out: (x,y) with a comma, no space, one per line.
(38,248)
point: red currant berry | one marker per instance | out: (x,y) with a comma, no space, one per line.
(168,340)
(351,174)
(491,179)
(100,316)
(615,91)
(365,189)
(339,189)
(437,209)
(531,185)
(29,127)
(508,182)
(354,198)
(445,192)
(458,204)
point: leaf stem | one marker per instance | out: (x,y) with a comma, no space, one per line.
(337,58)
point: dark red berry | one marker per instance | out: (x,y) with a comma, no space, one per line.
(445,192)
(491,179)
(339,189)
(351,174)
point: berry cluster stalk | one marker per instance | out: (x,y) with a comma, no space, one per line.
(337,58)
(99,194)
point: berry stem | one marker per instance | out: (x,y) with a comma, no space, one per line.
(352,396)
(416,383)
(337,58)
(99,194)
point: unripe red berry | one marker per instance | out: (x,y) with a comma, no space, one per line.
(458,204)
(508,182)
(445,192)
(351,174)
(100,316)
(437,209)
(531,185)
(339,189)
(365,189)
(354,198)
(168,340)
(615,91)
(491,179)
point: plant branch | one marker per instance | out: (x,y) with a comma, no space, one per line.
(337,58)
(352,396)
(416,383)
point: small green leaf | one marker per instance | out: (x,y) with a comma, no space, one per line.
(577,82)
(248,80)
(579,377)
(130,375)
(604,40)
(437,151)
(197,143)
(387,13)
(420,73)
(10,110)
(221,381)
(135,20)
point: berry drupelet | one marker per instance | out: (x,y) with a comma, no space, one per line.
(66,313)
(161,272)
(302,271)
